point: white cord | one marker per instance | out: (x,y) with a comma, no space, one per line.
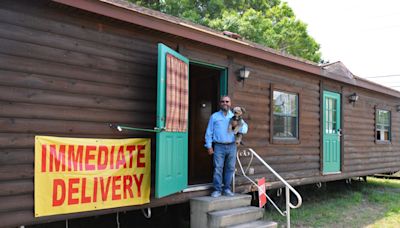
(118,225)
(148,215)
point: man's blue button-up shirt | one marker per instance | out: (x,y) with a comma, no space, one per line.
(217,129)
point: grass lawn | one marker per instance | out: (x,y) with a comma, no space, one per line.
(360,204)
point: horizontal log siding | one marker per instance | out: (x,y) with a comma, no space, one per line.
(300,163)
(361,153)
(291,161)
(67,73)
(64,79)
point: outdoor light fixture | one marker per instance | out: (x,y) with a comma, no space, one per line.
(353,98)
(398,108)
(244,73)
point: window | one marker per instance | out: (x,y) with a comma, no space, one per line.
(285,115)
(330,115)
(382,125)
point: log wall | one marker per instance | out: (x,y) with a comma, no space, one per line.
(65,72)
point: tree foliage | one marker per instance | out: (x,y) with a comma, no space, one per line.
(268,22)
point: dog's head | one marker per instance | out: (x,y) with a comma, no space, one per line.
(238,112)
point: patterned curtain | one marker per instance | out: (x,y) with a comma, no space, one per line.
(177,95)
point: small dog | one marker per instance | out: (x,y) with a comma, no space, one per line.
(235,123)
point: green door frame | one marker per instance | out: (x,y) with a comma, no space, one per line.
(331,125)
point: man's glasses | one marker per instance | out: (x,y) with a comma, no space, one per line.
(224,101)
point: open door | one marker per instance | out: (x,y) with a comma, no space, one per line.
(172,118)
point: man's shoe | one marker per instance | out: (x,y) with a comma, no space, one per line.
(216,194)
(228,192)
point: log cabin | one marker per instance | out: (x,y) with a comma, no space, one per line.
(71,68)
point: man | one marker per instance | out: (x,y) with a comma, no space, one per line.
(224,147)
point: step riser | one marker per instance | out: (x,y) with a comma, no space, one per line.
(256,224)
(217,219)
(199,207)
(215,223)
(221,203)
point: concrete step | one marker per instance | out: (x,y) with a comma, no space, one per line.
(234,216)
(200,206)
(256,224)
(208,203)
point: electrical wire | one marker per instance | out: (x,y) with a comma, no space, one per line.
(384,76)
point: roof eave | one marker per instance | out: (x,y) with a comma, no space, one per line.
(190,32)
(113,10)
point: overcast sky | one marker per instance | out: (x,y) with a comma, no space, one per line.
(363,34)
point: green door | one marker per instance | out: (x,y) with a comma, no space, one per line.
(171,143)
(331,132)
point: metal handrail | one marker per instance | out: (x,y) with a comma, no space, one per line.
(299,199)
(288,187)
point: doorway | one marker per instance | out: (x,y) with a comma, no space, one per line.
(206,84)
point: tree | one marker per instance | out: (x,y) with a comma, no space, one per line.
(268,22)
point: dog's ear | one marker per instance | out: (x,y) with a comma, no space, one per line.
(243,110)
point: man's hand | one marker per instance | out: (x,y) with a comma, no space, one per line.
(210,151)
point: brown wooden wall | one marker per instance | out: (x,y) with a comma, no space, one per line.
(362,153)
(292,161)
(301,163)
(64,72)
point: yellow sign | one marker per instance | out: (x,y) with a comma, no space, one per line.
(76,174)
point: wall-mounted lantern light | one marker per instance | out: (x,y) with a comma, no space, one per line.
(398,108)
(353,98)
(244,73)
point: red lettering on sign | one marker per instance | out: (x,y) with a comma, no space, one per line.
(103,151)
(127,186)
(130,149)
(57,159)
(84,198)
(44,148)
(73,190)
(140,155)
(104,189)
(138,184)
(95,190)
(112,157)
(120,158)
(115,187)
(58,200)
(75,158)
(89,157)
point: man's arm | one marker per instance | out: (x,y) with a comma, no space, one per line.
(244,128)
(209,133)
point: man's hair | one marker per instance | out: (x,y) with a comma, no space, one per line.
(222,97)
